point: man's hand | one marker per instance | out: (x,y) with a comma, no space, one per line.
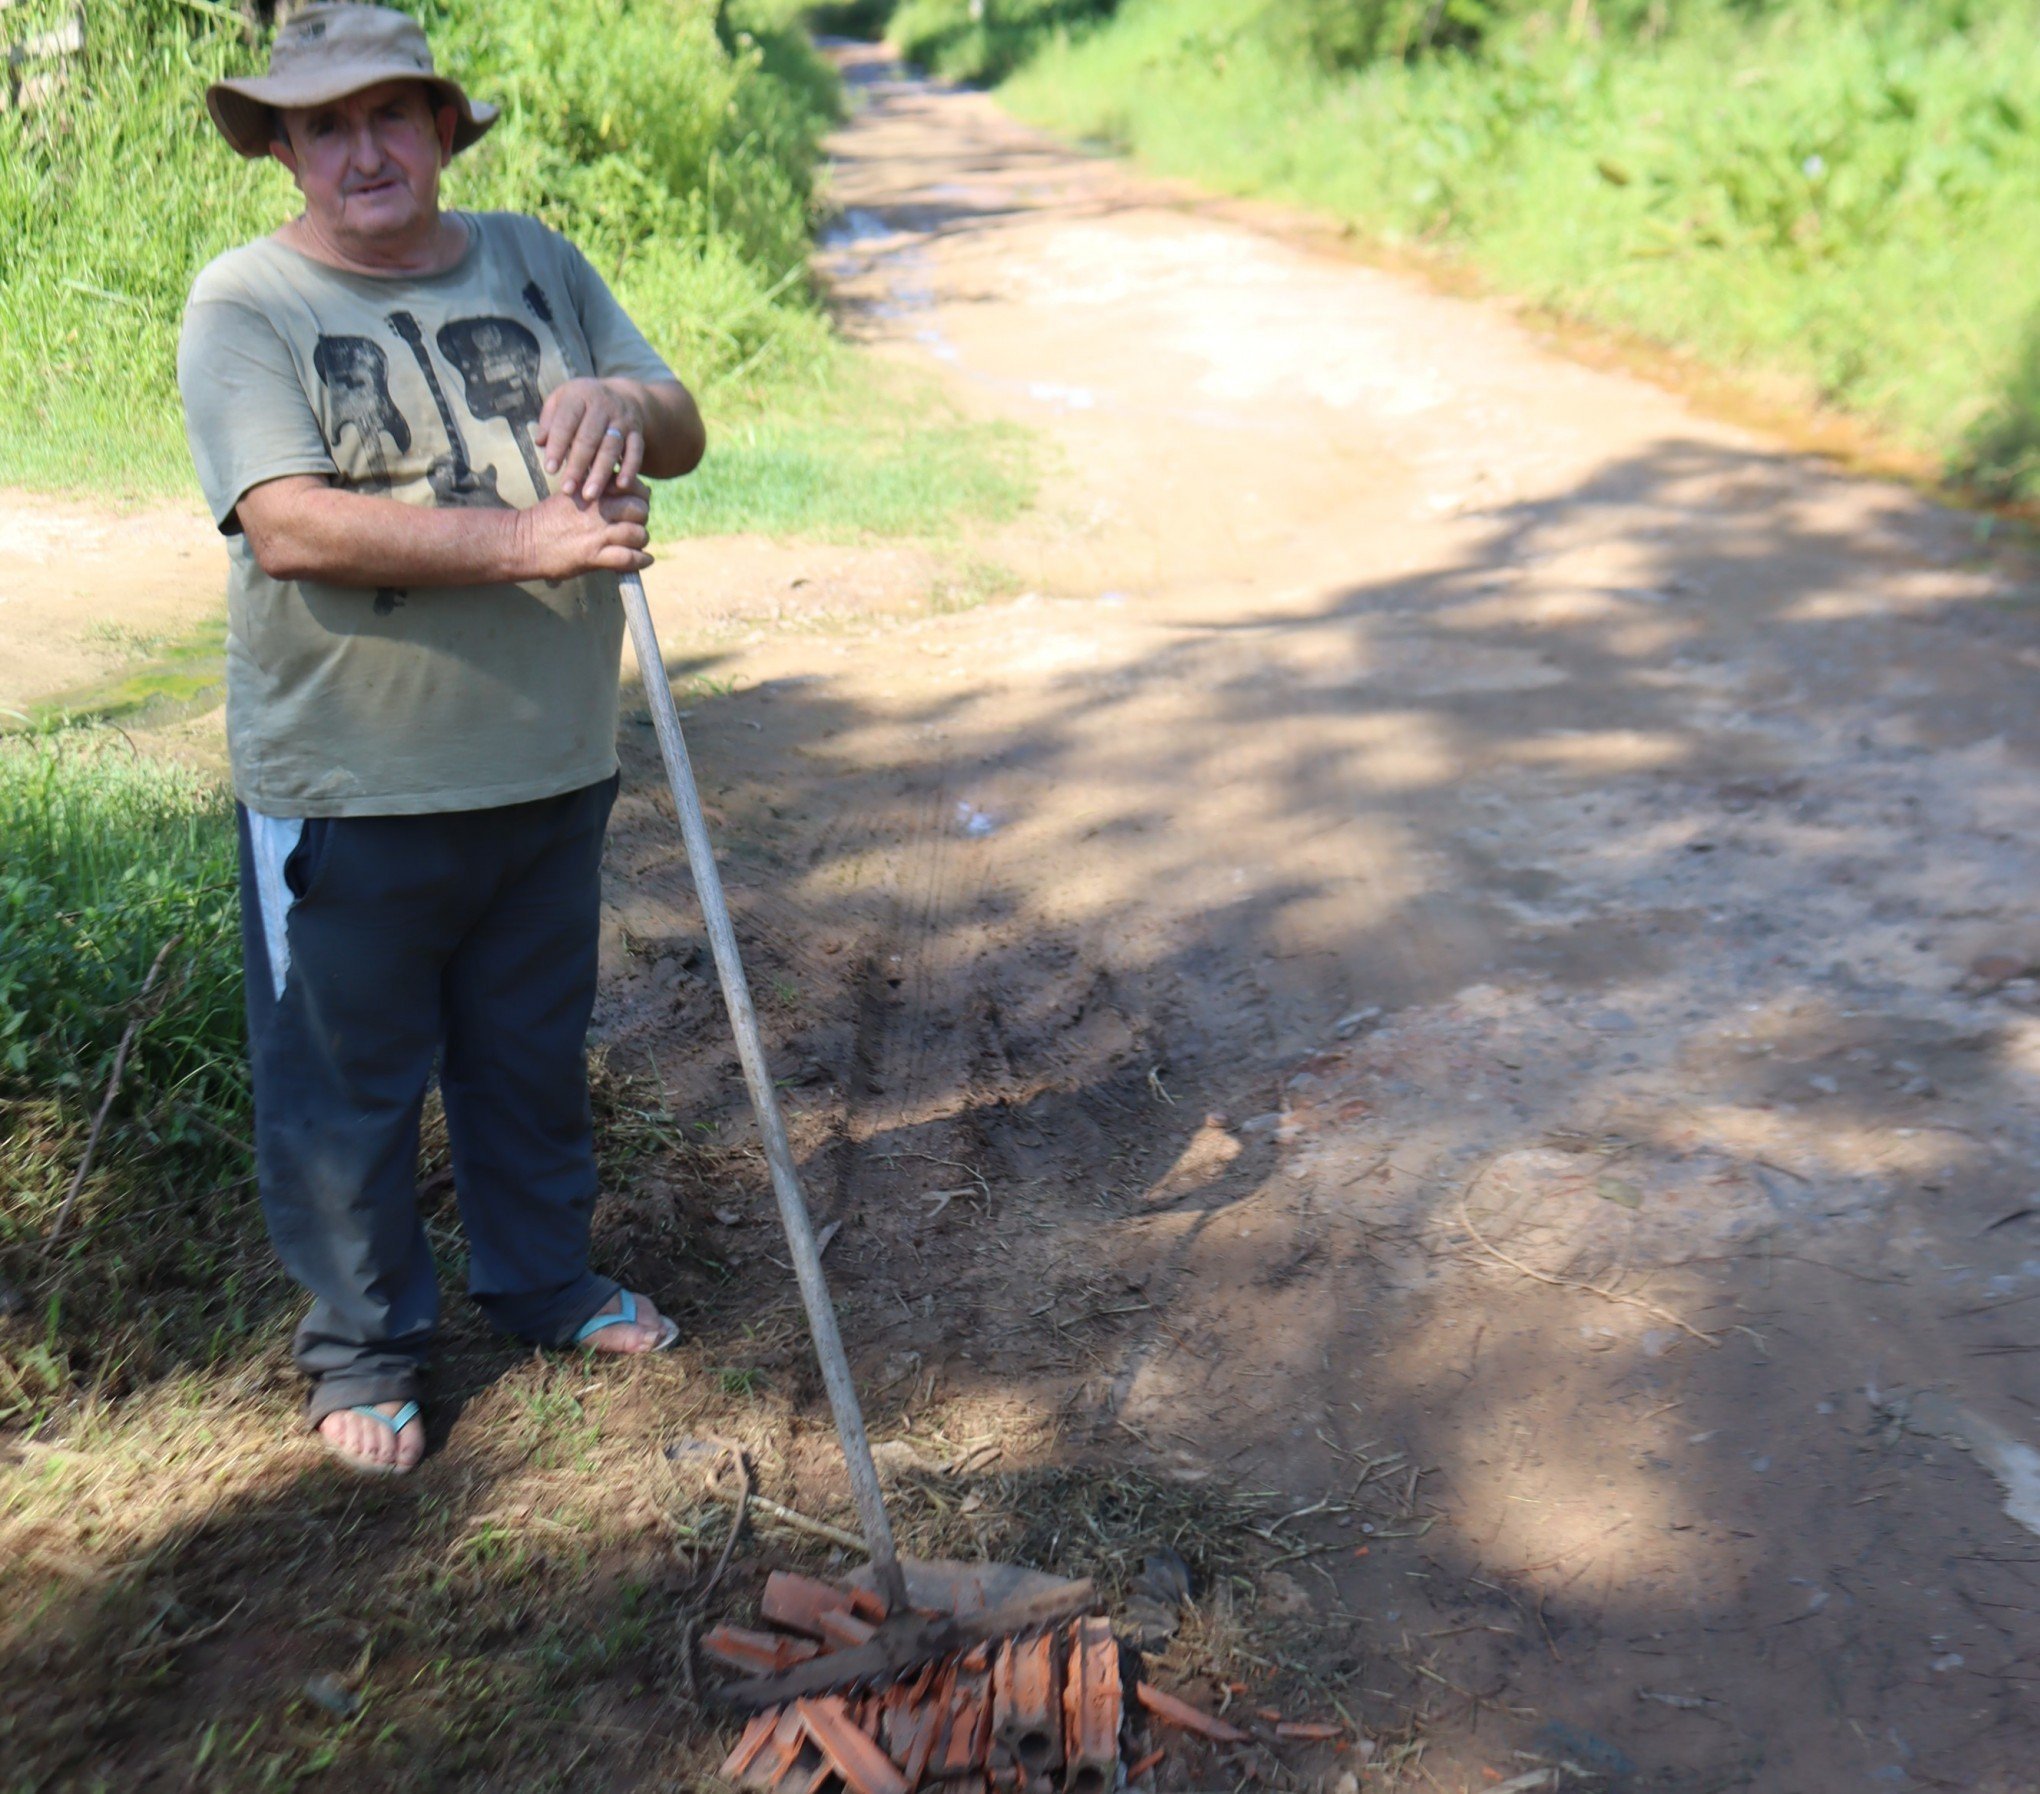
(566,534)
(599,435)
(592,431)
(300,527)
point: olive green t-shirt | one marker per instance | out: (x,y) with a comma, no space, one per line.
(350,701)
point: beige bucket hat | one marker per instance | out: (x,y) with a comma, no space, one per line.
(323,53)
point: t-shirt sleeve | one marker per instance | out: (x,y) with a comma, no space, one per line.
(246,415)
(618,345)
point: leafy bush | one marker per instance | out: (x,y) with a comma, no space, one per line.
(675,140)
(985,40)
(1349,34)
(863,19)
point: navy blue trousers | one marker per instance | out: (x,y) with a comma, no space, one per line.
(467,939)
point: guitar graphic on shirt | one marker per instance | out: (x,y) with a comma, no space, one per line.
(535,303)
(498,363)
(355,372)
(452,475)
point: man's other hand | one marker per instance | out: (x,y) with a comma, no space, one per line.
(567,535)
(592,431)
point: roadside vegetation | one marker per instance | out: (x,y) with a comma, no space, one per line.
(677,141)
(1830,195)
(118,923)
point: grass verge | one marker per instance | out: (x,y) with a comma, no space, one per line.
(1820,193)
(115,866)
(870,448)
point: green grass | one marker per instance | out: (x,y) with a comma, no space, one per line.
(1831,193)
(169,677)
(106,861)
(677,141)
(870,448)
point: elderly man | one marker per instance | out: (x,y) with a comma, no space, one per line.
(421,432)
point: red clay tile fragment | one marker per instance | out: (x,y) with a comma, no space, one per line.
(1027,1702)
(1273,1715)
(1137,1770)
(797,1602)
(866,1604)
(788,1735)
(967,1743)
(1184,1717)
(842,1630)
(777,1768)
(921,1746)
(941,1700)
(897,1715)
(756,1736)
(801,1764)
(1093,1707)
(865,1768)
(760,1652)
(918,1723)
(969,1729)
(1310,1731)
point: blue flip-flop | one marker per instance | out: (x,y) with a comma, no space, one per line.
(626,1316)
(396,1422)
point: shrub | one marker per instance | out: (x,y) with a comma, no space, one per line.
(675,140)
(985,40)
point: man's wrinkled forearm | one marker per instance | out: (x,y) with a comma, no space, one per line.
(315,532)
(675,438)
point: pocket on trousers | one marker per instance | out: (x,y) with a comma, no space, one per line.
(301,868)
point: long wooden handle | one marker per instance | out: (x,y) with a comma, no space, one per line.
(793,1209)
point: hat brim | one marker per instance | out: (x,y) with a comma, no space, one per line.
(245,110)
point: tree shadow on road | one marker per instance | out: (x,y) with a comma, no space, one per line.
(1274,1055)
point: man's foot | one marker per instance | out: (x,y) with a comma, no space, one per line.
(637,1326)
(387,1446)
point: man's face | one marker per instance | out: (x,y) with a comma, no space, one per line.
(368,164)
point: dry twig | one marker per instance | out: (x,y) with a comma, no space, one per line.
(1592,1289)
(692,1623)
(127,1040)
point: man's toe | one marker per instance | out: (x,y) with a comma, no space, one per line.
(639,1335)
(370,1442)
(651,1327)
(346,1433)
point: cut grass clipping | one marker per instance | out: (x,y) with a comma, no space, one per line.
(1828,195)
(676,141)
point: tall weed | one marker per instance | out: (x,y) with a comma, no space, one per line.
(107,862)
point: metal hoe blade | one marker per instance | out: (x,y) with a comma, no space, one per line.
(902,1643)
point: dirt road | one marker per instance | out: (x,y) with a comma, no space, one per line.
(1444,922)
(1458,955)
